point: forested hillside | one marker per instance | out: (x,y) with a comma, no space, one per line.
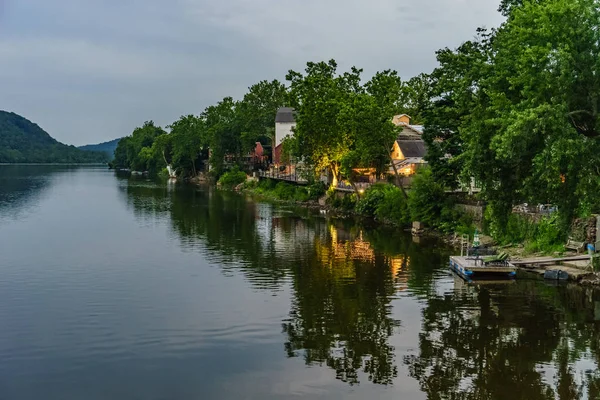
(107,147)
(22,141)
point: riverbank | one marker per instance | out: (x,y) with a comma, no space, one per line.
(387,205)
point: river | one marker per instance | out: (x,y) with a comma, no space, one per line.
(117,288)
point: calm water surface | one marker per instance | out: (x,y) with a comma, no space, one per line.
(128,289)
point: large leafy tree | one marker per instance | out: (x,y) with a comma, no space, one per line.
(188,144)
(517,108)
(223,128)
(257,112)
(455,94)
(135,151)
(367,119)
(319,97)
(343,125)
(389,92)
(543,104)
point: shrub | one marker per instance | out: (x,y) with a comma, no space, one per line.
(346,203)
(393,208)
(386,203)
(317,190)
(371,199)
(301,194)
(232,178)
(285,191)
(267,184)
(545,236)
(427,199)
(251,184)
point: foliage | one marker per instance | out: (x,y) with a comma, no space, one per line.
(427,200)
(22,141)
(517,109)
(371,200)
(545,235)
(386,203)
(317,190)
(224,132)
(257,111)
(345,203)
(187,145)
(394,207)
(136,152)
(341,124)
(106,147)
(232,178)
(287,191)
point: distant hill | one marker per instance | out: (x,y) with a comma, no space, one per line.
(22,141)
(106,147)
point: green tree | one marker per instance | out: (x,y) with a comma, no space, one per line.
(370,133)
(417,96)
(189,144)
(223,128)
(135,152)
(455,95)
(257,112)
(319,97)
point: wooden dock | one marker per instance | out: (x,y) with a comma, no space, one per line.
(471,268)
(549,260)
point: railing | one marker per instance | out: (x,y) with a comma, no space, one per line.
(282,176)
(404,181)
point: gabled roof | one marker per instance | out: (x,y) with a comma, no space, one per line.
(285,115)
(412,148)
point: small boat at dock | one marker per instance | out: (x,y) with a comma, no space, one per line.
(471,267)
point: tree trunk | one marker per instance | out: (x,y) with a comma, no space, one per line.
(355,189)
(335,173)
(398,183)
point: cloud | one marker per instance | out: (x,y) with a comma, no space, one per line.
(92,70)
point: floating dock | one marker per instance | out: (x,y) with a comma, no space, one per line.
(471,268)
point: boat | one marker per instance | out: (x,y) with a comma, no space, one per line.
(471,267)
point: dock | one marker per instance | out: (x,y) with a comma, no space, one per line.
(472,268)
(575,267)
(549,260)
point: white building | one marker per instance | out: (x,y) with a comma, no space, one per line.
(285,123)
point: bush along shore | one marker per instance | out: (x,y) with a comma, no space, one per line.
(439,213)
(388,204)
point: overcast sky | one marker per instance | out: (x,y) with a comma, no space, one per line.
(88,71)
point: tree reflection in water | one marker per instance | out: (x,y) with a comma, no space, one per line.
(524,340)
(504,342)
(341,313)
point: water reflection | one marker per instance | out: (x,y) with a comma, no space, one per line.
(22,186)
(498,341)
(343,284)
(493,341)
(341,313)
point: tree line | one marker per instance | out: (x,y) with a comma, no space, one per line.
(515,109)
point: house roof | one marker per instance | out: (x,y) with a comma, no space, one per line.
(418,128)
(412,148)
(411,131)
(285,115)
